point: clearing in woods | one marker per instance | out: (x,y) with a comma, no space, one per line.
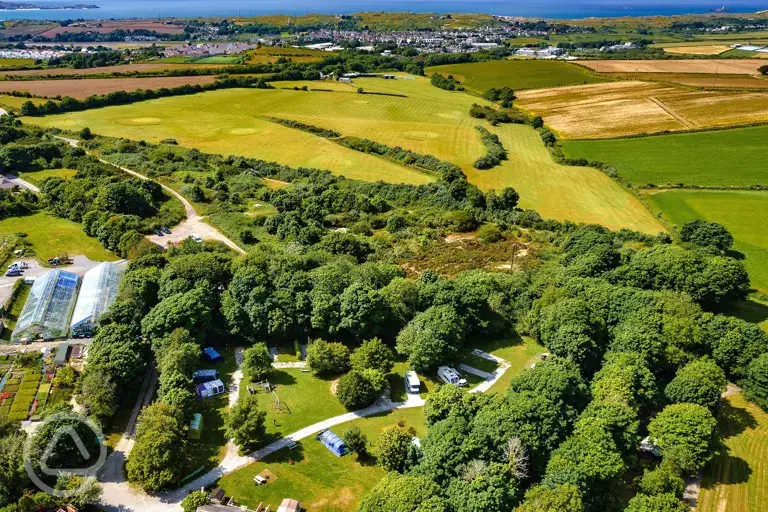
(408,112)
(726,66)
(737,479)
(742,212)
(478,77)
(721,158)
(591,111)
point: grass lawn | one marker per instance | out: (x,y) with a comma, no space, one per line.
(304,400)
(13,62)
(318,479)
(37,177)
(219,59)
(742,212)
(702,158)
(428,120)
(51,236)
(15,310)
(737,479)
(478,77)
(520,352)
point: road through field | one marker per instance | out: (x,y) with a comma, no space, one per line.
(193,224)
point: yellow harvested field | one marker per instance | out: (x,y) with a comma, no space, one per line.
(725,66)
(629,108)
(706,81)
(698,50)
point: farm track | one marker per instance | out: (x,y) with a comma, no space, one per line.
(193,224)
(669,110)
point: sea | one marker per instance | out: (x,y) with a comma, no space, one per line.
(560,9)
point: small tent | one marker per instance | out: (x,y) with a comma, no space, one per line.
(332,442)
(201,376)
(195,426)
(211,355)
(209,389)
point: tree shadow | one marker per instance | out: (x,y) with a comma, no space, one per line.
(749,310)
(286,455)
(727,469)
(735,254)
(734,420)
(501,343)
(281,378)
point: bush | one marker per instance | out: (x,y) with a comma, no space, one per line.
(324,357)
(373,354)
(489,233)
(360,388)
(356,441)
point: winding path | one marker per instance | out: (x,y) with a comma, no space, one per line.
(120,496)
(193,224)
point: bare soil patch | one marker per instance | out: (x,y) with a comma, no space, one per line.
(726,66)
(81,88)
(122,68)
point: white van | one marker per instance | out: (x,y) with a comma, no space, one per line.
(451,376)
(412,383)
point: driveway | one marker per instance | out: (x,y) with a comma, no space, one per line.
(20,182)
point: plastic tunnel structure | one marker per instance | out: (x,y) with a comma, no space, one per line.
(97,293)
(48,308)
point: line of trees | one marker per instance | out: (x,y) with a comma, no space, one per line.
(449,83)
(494,151)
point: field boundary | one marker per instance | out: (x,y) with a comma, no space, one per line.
(669,110)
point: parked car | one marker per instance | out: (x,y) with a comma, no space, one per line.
(165,230)
(451,376)
(196,238)
(12,273)
(158,232)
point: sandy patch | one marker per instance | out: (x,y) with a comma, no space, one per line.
(140,121)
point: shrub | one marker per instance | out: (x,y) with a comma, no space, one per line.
(373,354)
(324,357)
(360,388)
(489,233)
(356,441)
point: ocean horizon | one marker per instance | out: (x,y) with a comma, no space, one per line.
(121,9)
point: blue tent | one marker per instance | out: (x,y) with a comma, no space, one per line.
(201,376)
(332,442)
(211,355)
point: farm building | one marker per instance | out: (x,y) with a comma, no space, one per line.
(97,292)
(332,442)
(48,308)
(209,389)
(210,354)
(195,426)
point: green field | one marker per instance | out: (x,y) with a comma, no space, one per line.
(37,177)
(14,311)
(737,479)
(318,479)
(13,63)
(51,236)
(218,59)
(742,212)
(713,158)
(518,74)
(429,120)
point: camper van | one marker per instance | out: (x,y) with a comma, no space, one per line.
(412,383)
(451,376)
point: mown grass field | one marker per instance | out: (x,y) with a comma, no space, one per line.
(409,113)
(11,62)
(737,479)
(715,158)
(37,177)
(51,236)
(742,212)
(592,111)
(318,479)
(478,77)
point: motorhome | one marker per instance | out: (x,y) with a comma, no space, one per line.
(412,383)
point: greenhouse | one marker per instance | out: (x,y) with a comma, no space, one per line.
(97,292)
(48,308)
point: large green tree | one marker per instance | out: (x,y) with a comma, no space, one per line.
(432,337)
(257,362)
(245,423)
(699,382)
(685,433)
(157,458)
(391,449)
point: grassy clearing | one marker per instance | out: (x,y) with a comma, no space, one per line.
(742,212)
(737,480)
(12,63)
(429,120)
(15,310)
(702,158)
(304,400)
(37,177)
(7,101)
(591,111)
(317,478)
(478,77)
(51,236)
(520,352)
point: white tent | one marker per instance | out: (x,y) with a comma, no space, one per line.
(209,389)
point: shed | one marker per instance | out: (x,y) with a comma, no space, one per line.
(201,376)
(210,354)
(195,426)
(209,389)
(332,442)
(61,354)
(289,505)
